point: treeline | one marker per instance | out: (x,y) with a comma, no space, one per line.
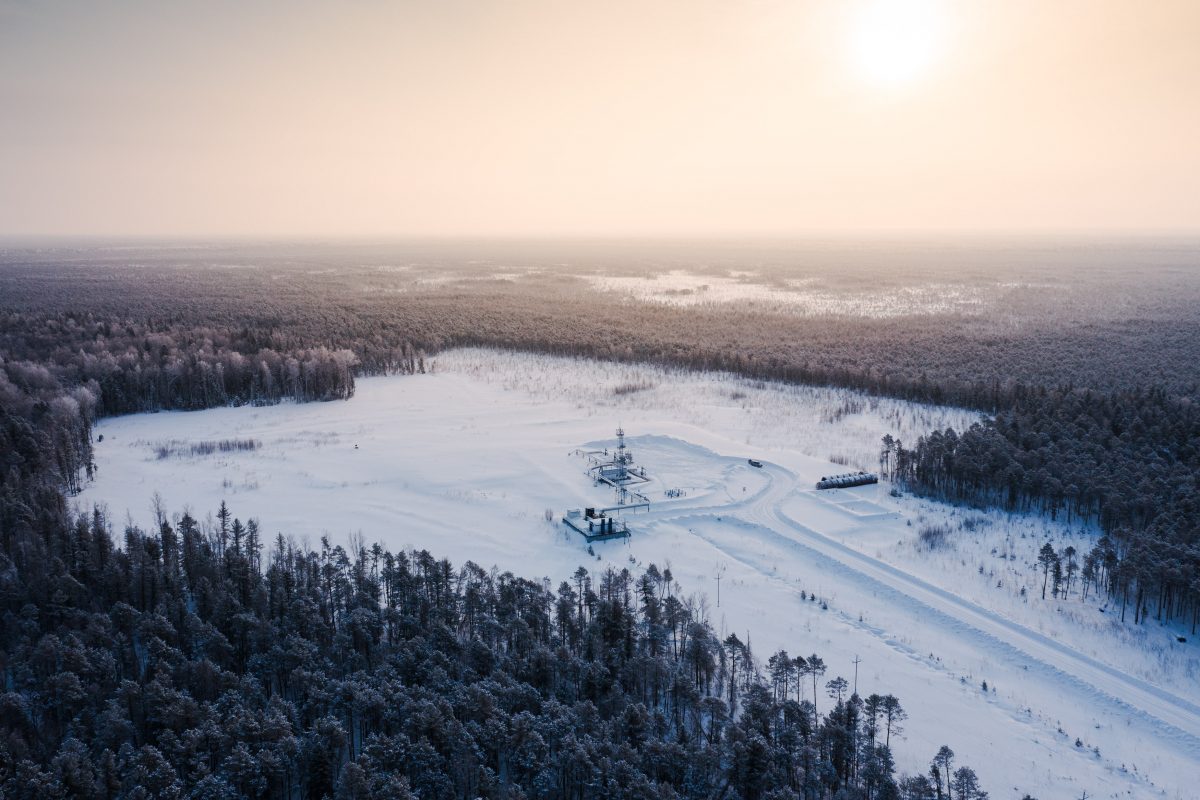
(131,366)
(45,434)
(1129,461)
(188,663)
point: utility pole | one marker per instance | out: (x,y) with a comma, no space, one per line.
(856,662)
(720,572)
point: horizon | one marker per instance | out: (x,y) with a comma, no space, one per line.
(836,238)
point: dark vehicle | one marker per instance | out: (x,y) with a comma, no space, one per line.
(755,462)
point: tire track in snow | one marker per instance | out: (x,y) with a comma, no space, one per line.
(1030,650)
(1018,714)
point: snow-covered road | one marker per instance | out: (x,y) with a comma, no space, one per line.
(1176,716)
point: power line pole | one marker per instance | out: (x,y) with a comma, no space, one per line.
(856,662)
(720,572)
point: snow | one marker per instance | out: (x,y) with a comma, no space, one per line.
(991,559)
(465,461)
(683,288)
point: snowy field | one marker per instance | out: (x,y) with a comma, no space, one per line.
(991,559)
(466,461)
(793,296)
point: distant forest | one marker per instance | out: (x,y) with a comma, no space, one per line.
(1093,389)
(1105,324)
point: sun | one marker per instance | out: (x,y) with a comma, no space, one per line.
(895,42)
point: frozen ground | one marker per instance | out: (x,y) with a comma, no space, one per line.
(990,558)
(465,462)
(795,296)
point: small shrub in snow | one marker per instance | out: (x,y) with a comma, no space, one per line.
(934,537)
(972,524)
(206,448)
(633,387)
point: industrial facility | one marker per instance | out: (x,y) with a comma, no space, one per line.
(596,525)
(615,469)
(847,480)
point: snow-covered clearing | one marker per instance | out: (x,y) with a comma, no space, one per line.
(465,461)
(796,296)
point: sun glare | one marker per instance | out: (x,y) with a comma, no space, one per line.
(894,42)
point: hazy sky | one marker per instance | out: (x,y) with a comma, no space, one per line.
(696,117)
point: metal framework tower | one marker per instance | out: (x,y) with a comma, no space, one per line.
(624,457)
